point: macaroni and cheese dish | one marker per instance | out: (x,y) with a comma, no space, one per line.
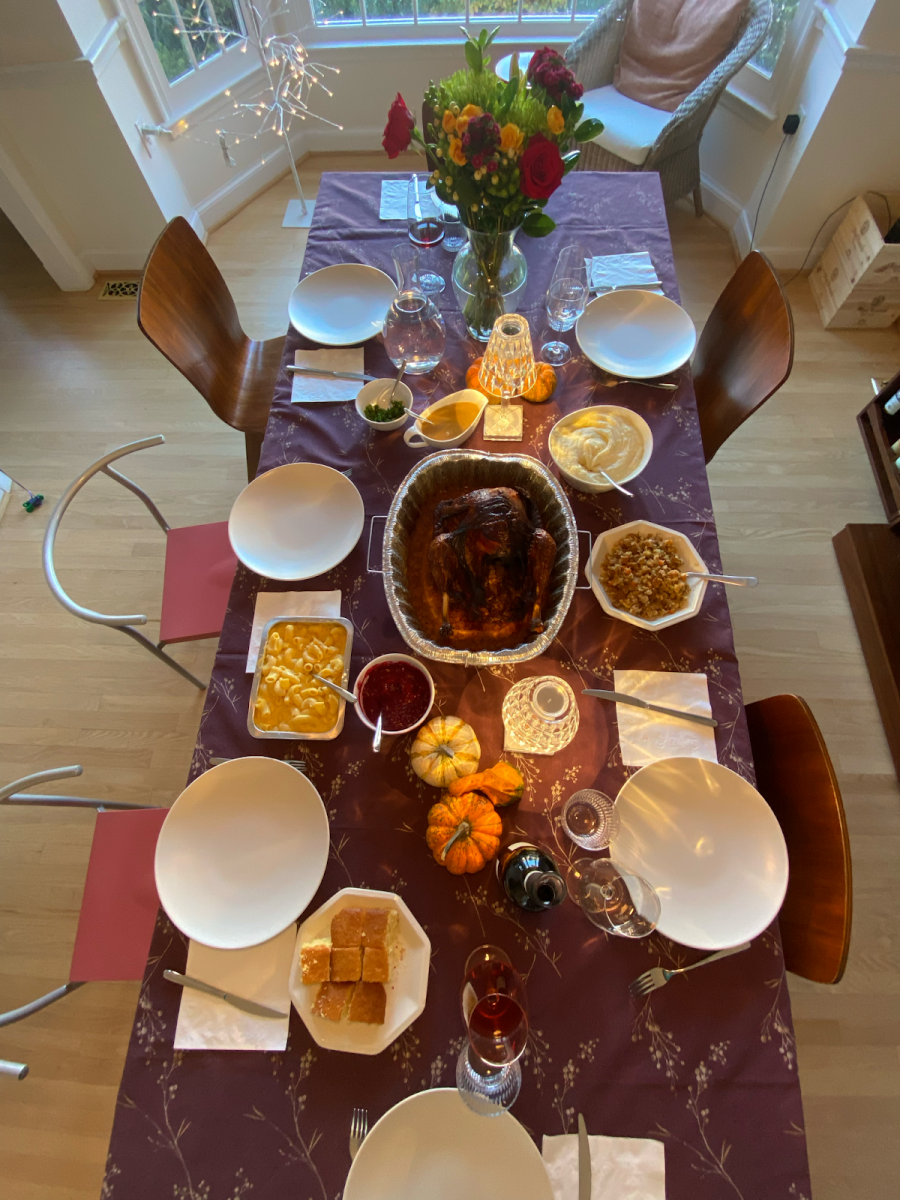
(288,698)
(595,439)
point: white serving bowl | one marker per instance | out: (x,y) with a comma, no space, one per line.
(636,334)
(690,557)
(581,485)
(372,393)
(384,658)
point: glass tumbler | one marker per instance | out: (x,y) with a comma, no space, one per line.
(590,819)
(454,235)
(414,333)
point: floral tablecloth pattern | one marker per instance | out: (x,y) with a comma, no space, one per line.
(706,1064)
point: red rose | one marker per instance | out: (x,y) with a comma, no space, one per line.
(542,168)
(398,131)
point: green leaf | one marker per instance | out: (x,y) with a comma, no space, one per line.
(538,224)
(577,112)
(465,189)
(507,96)
(570,161)
(588,130)
(567,106)
(474,58)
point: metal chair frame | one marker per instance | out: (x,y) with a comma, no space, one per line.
(123,623)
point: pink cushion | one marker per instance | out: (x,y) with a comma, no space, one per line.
(671,46)
(200,566)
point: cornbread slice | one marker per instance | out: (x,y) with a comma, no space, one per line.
(368,1003)
(379,927)
(347,927)
(346,963)
(332,999)
(376,965)
(315,960)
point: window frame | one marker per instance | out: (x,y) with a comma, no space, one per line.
(762,93)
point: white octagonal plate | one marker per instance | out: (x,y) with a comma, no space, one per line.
(405,993)
(691,559)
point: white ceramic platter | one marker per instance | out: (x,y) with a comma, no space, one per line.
(711,847)
(405,993)
(296,521)
(431,1145)
(342,304)
(242,852)
(636,334)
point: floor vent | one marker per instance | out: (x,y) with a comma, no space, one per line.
(119,289)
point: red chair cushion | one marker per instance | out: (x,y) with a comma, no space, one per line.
(120,903)
(200,565)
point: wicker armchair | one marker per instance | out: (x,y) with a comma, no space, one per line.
(675,152)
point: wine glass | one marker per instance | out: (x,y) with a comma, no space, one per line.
(565,301)
(425,220)
(488,1075)
(590,819)
(614,898)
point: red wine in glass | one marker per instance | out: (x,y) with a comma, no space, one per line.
(425,230)
(493,998)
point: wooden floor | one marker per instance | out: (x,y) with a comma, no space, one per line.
(78,379)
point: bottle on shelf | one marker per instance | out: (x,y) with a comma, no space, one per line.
(530,876)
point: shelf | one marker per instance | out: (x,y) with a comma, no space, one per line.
(878,447)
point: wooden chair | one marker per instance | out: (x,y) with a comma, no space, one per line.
(186,310)
(795,775)
(745,352)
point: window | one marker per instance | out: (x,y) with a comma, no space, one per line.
(422,12)
(783,13)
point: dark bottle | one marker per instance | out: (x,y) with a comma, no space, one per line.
(530,877)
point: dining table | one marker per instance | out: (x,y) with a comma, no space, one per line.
(707,1065)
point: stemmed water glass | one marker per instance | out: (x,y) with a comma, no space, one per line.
(425,221)
(613,898)
(488,1075)
(590,819)
(565,301)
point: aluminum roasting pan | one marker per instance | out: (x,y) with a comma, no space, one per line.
(468,470)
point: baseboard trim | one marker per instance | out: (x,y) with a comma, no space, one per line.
(726,210)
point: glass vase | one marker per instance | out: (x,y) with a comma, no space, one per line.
(489,275)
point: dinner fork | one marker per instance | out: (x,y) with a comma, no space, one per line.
(658,977)
(666,387)
(359,1127)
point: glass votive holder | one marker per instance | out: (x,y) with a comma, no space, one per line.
(540,715)
(590,819)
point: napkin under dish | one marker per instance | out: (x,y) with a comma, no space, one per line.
(288,604)
(621,1168)
(319,389)
(646,737)
(393,199)
(614,270)
(258,973)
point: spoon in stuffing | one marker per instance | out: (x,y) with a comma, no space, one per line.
(737,580)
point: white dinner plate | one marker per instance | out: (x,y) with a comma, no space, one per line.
(241,852)
(406,990)
(432,1146)
(711,847)
(342,304)
(296,521)
(635,333)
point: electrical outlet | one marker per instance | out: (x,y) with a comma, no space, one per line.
(791,124)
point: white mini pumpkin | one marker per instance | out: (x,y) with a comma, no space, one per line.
(444,750)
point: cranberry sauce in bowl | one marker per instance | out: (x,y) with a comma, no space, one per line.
(397,688)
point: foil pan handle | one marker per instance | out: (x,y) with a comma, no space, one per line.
(373,570)
(581,587)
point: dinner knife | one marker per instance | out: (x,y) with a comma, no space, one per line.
(584,1161)
(354,375)
(621,698)
(247,1006)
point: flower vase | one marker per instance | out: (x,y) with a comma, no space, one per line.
(489,275)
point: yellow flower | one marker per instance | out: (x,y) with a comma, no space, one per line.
(456,152)
(462,121)
(556,122)
(449,121)
(511,138)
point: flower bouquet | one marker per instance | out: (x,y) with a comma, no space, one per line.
(502,150)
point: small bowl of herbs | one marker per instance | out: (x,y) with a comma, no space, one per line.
(378,411)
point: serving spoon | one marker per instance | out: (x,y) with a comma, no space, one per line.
(737,580)
(376,740)
(335,687)
(617,486)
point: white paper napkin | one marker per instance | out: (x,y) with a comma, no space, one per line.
(621,1168)
(258,973)
(393,199)
(613,270)
(288,604)
(646,737)
(319,389)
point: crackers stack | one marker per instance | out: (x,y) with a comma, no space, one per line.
(353,967)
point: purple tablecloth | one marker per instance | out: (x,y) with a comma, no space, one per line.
(707,1064)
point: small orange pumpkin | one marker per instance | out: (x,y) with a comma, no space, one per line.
(502,784)
(542,389)
(463,832)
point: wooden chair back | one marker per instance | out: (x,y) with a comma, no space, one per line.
(745,352)
(794,773)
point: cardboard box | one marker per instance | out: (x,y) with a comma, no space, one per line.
(856,282)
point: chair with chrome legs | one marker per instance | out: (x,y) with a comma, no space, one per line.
(199,570)
(120,902)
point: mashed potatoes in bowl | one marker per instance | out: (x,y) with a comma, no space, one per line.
(604,437)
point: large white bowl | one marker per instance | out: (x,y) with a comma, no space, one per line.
(430,1146)
(690,557)
(406,990)
(635,333)
(296,521)
(711,847)
(241,852)
(581,485)
(342,304)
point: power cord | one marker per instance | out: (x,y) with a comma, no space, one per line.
(833,212)
(765,187)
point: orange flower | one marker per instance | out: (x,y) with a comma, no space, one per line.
(556,122)
(456,151)
(449,121)
(511,138)
(462,121)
